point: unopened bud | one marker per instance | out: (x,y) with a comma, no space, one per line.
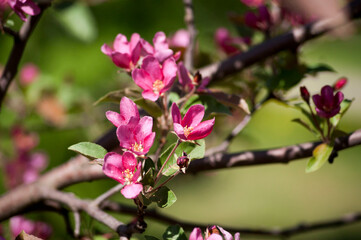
(212,230)
(340,83)
(305,94)
(182,162)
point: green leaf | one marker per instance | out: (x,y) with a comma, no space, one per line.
(285,79)
(210,104)
(149,106)
(320,155)
(319,68)
(147,237)
(345,105)
(164,197)
(174,232)
(116,96)
(192,150)
(99,237)
(148,168)
(89,150)
(79,21)
(304,124)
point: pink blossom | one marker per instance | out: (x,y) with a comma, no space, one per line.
(191,127)
(328,104)
(38,229)
(188,82)
(22,7)
(124,169)
(261,21)
(28,73)
(212,233)
(228,43)
(23,140)
(253,3)
(128,110)
(340,83)
(160,50)
(180,39)
(124,54)
(153,78)
(137,136)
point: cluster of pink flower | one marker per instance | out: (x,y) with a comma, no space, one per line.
(25,169)
(213,233)
(136,138)
(20,7)
(153,68)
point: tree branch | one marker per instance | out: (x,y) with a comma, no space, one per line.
(276,232)
(280,43)
(20,41)
(189,20)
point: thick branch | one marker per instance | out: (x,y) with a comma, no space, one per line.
(277,232)
(283,42)
(20,41)
(276,155)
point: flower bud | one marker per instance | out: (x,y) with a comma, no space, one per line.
(182,162)
(305,94)
(340,83)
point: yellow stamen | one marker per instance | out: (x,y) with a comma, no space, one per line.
(187,130)
(137,147)
(157,86)
(128,175)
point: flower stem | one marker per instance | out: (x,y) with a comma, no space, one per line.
(317,124)
(165,182)
(166,161)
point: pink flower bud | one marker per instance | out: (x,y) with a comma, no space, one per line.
(340,83)
(328,104)
(305,94)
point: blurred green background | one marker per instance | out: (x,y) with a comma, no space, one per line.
(66,47)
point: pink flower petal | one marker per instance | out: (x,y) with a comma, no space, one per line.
(160,41)
(125,136)
(142,79)
(226,234)
(106,49)
(121,44)
(114,118)
(132,191)
(169,71)
(113,166)
(121,60)
(147,48)
(163,54)
(144,128)
(180,39)
(134,41)
(202,130)
(215,236)
(128,109)
(176,115)
(151,66)
(150,95)
(29,7)
(183,76)
(138,172)
(179,130)
(129,161)
(148,142)
(196,234)
(193,116)
(136,53)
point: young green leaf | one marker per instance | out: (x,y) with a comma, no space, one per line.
(116,96)
(210,104)
(147,237)
(345,105)
(89,150)
(164,197)
(193,151)
(150,107)
(320,155)
(174,232)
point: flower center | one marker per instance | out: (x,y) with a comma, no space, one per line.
(187,130)
(137,147)
(128,175)
(157,86)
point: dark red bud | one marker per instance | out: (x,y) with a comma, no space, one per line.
(182,162)
(340,83)
(305,94)
(197,78)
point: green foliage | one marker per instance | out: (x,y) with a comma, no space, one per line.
(345,105)
(148,169)
(320,156)
(193,151)
(89,150)
(174,232)
(116,96)
(147,237)
(150,107)
(78,20)
(164,197)
(210,104)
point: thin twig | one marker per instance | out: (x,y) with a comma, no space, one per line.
(77,223)
(280,43)
(189,20)
(166,161)
(107,194)
(20,41)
